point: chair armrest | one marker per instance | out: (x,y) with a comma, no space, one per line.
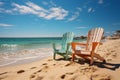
(78,43)
(68,46)
(95,46)
(54,46)
(73,44)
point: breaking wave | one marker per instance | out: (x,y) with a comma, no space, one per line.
(8,58)
(9,45)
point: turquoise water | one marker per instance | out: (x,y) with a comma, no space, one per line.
(15,44)
(20,50)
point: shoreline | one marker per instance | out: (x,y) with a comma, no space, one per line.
(24,56)
(23,61)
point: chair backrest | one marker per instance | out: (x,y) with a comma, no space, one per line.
(94,35)
(67,38)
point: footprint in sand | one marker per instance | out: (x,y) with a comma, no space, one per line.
(69,73)
(109,59)
(43,69)
(39,78)
(54,64)
(37,71)
(33,67)
(63,76)
(87,69)
(70,63)
(50,59)
(114,55)
(32,76)
(2,76)
(3,73)
(44,64)
(20,71)
(100,77)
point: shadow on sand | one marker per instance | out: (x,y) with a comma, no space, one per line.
(107,65)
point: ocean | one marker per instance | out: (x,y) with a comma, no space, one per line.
(16,44)
(15,50)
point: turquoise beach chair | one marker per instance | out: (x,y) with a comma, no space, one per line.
(65,46)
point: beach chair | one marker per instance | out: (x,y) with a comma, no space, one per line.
(65,46)
(91,46)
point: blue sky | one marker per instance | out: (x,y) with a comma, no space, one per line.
(52,18)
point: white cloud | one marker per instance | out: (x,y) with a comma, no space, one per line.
(100,1)
(90,10)
(5,25)
(8,11)
(5,11)
(35,7)
(1,3)
(23,9)
(56,13)
(74,16)
(82,27)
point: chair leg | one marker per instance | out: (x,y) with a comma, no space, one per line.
(92,59)
(54,55)
(99,57)
(66,57)
(73,57)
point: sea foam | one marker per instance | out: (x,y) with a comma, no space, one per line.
(9,45)
(8,58)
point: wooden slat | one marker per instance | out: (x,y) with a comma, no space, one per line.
(67,38)
(100,34)
(90,39)
(98,37)
(94,30)
(94,35)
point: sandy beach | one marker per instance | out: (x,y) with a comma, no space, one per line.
(60,69)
